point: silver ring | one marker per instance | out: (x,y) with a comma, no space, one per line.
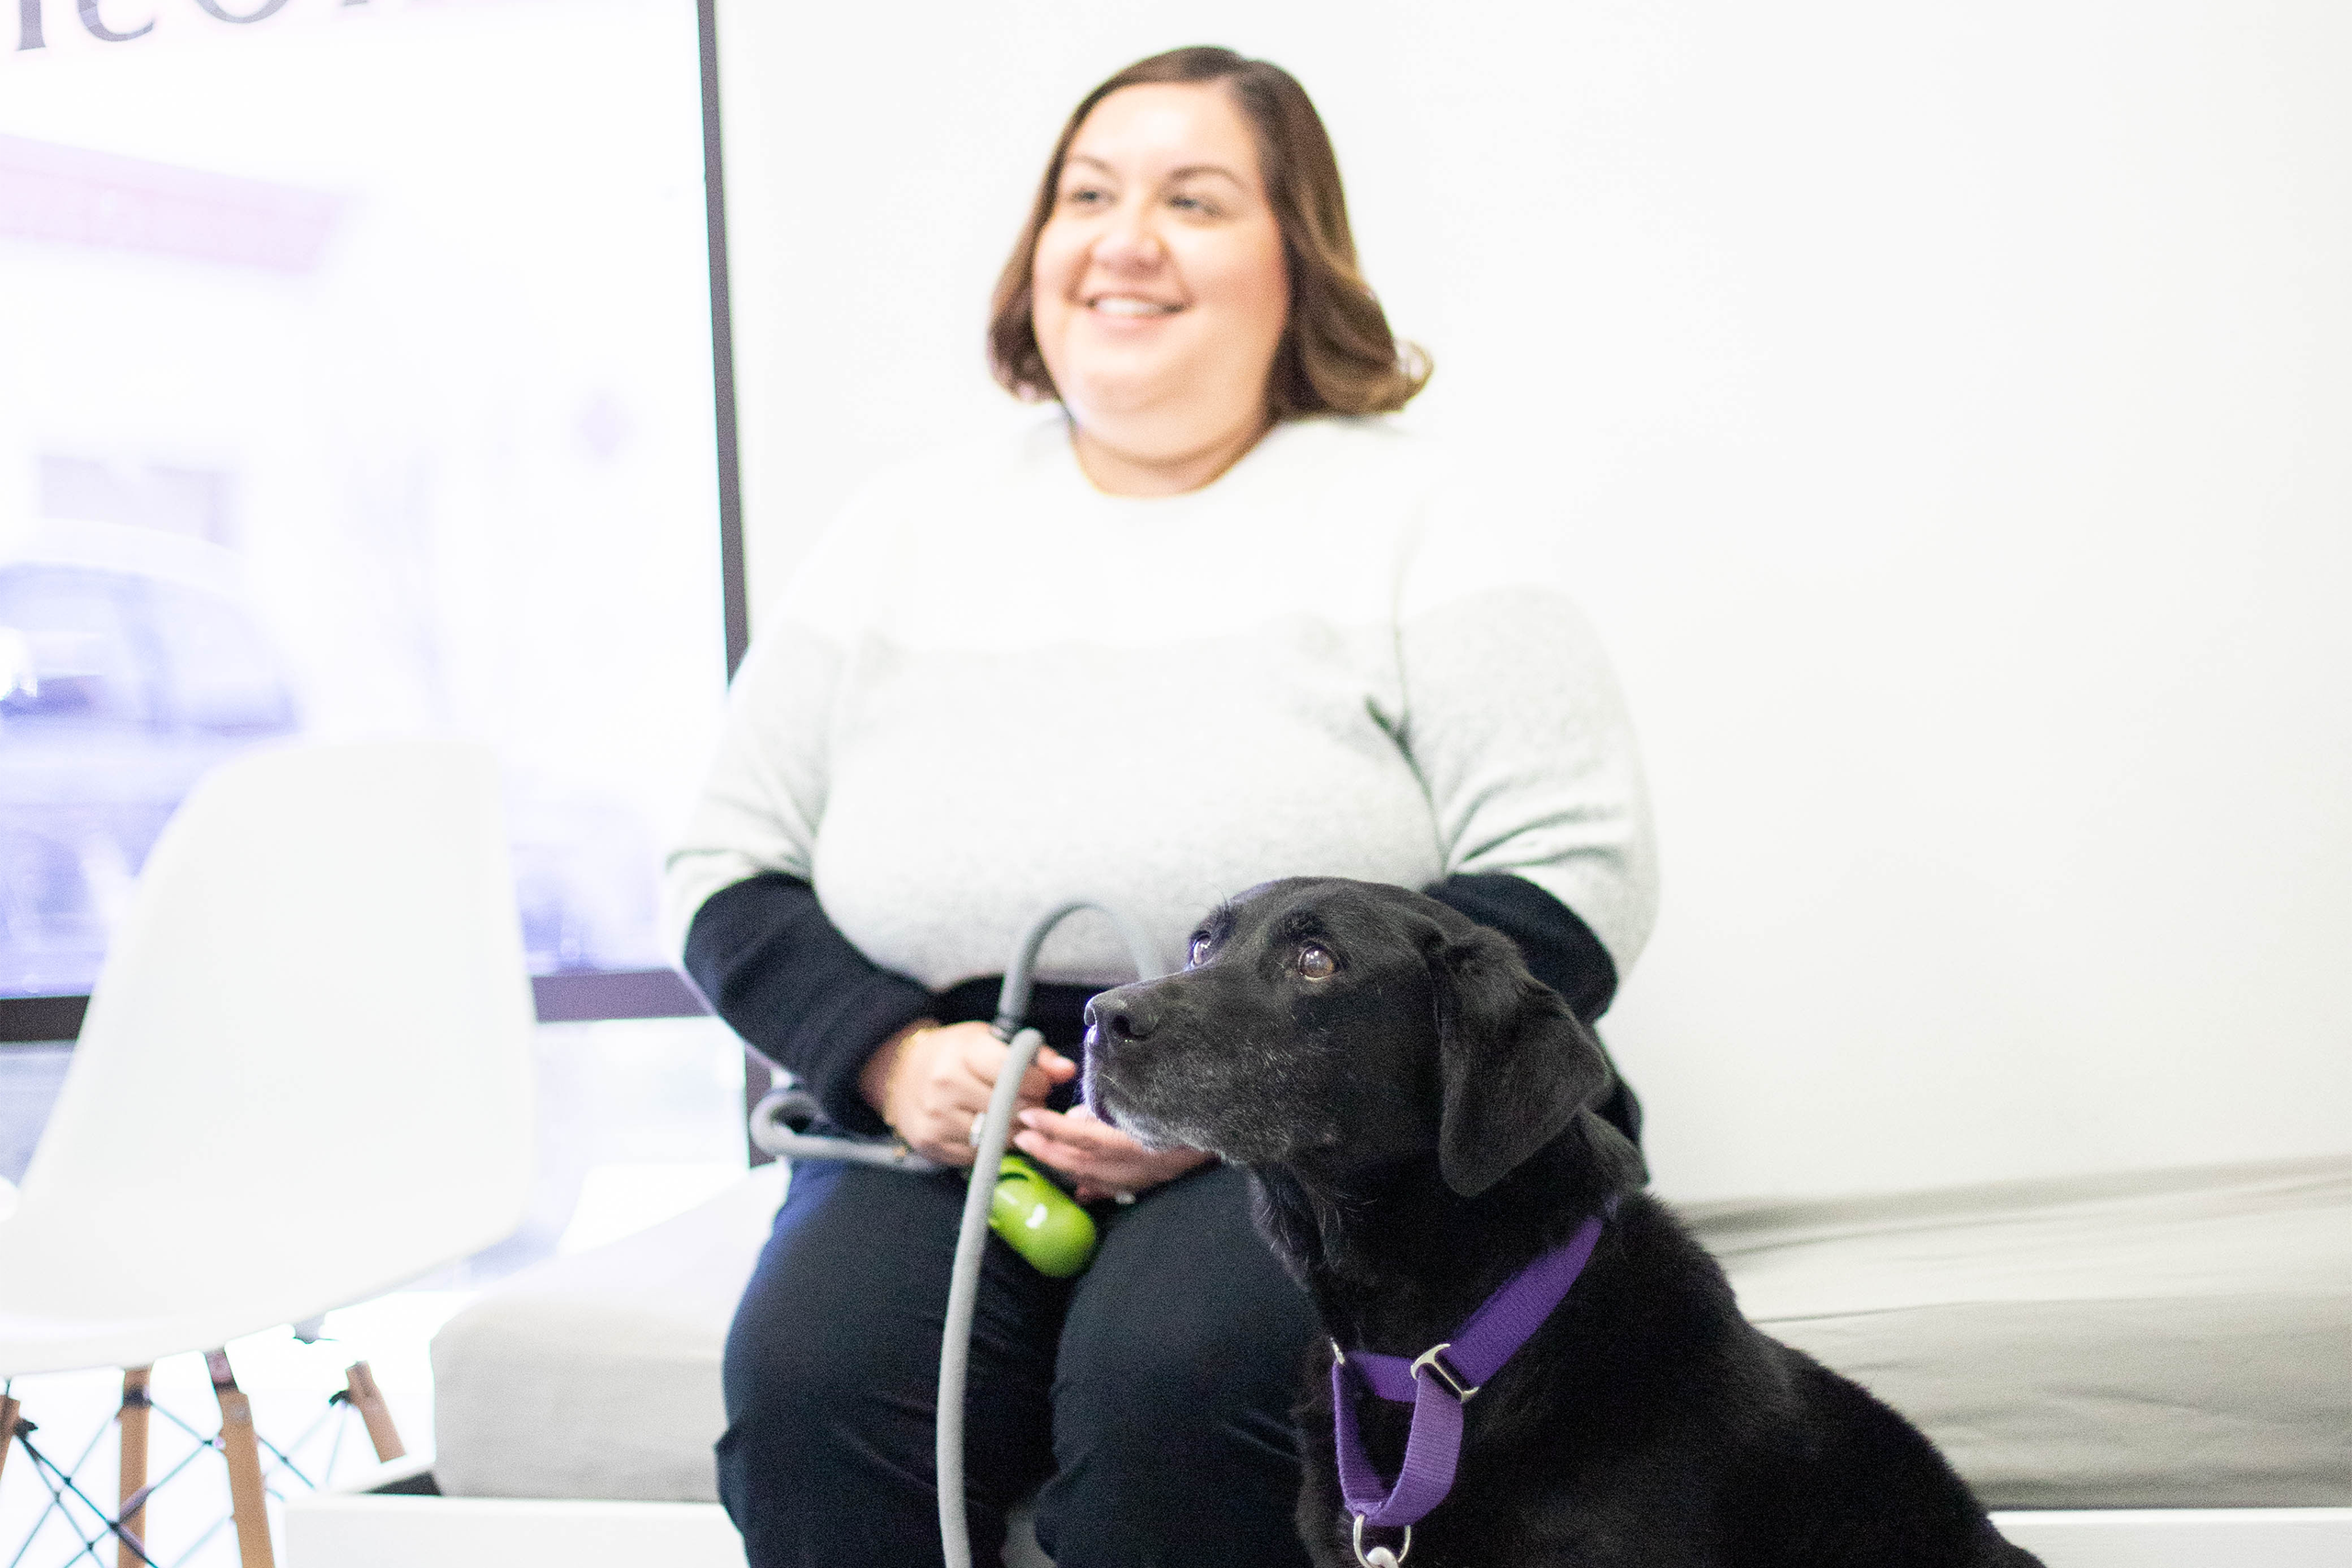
(1380,1556)
(979,1119)
(1123,1199)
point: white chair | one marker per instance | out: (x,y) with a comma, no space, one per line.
(304,1078)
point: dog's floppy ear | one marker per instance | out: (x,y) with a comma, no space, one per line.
(1514,1064)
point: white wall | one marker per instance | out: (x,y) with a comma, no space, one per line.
(1950,408)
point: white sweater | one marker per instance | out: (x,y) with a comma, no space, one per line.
(993,688)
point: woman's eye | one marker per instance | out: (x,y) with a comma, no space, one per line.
(1084,195)
(1199,952)
(1316,962)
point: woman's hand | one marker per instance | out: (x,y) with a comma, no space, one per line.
(1106,1162)
(932,1081)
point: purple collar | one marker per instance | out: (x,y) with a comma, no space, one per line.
(1456,1369)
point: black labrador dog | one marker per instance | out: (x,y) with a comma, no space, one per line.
(1416,1112)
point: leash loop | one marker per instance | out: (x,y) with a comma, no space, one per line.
(1380,1556)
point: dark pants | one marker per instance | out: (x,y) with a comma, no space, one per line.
(1151,1395)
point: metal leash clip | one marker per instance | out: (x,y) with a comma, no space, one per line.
(1380,1556)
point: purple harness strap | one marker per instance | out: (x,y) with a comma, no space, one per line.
(1458,1367)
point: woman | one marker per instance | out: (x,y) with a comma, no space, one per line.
(1206,625)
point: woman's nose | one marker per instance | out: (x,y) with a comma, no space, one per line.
(1130,240)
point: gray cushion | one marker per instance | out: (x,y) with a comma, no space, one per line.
(2168,1340)
(2171,1339)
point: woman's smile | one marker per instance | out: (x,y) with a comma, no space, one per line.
(1131,307)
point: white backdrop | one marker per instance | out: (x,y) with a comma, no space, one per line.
(1950,410)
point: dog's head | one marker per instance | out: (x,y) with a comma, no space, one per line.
(1326,1024)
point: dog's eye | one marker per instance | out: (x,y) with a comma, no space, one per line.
(1199,952)
(1316,962)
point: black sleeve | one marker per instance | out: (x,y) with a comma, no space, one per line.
(775,968)
(1561,952)
(1560,949)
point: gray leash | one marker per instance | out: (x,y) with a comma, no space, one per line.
(777,1125)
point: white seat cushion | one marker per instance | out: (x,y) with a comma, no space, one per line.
(596,1374)
(2178,1338)
(2175,1338)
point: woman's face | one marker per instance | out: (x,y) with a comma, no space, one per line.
(1160,289)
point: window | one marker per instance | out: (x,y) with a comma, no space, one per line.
(370,391)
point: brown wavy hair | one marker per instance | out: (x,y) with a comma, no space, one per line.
(1337,355)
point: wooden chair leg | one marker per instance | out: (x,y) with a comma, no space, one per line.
(8,1408)
(247,1504)
(131,1536)
(359,1387)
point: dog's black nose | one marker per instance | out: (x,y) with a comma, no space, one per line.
(1121,1015)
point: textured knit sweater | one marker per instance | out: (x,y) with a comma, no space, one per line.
(993,688)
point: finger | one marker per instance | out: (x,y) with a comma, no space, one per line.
(951,1110)
(966,1080)
(1078,1171)
(1082,1126)
(1039,1081)
(1047,1144)
(1114,1172)
(1070,1159)
(983,1056)
(1073,1132)
(947,1134)
(982,1053)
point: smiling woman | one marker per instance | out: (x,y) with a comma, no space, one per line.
(1187,276)
(1211,622)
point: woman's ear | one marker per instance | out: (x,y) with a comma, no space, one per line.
(1514,1064)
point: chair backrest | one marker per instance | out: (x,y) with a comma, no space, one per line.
(305,1072)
